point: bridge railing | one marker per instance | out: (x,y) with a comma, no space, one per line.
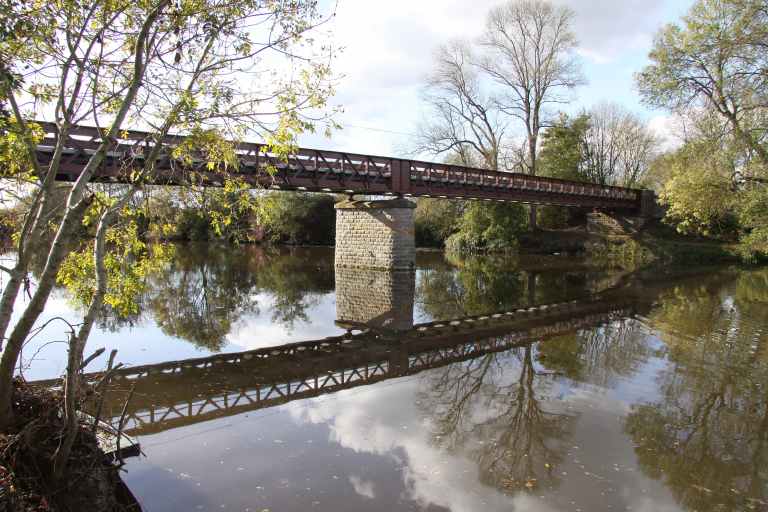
(452,174)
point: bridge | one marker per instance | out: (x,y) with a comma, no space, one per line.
(177,393)
(388,223)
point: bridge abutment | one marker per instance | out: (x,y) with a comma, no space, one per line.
(375,234)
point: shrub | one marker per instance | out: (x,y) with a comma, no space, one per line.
(436,220)
(297,218)
(489,227)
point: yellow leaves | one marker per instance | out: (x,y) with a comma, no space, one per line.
(210,146)
(128,263)
(15,158)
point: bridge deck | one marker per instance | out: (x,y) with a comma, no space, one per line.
(330,171)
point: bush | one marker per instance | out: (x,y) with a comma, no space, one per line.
(298,218)
(436,220)
(489,227)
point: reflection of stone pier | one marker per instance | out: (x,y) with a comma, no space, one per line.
(378,299)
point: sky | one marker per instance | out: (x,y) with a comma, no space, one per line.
(387,49)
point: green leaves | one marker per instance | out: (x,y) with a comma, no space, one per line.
(488,227)
(129,262)
(15,162)
(698,189)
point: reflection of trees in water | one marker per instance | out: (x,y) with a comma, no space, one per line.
(598,355)
(478,285)
(707,436)
(208,288)
(474,286)
(202,294)
(500,422)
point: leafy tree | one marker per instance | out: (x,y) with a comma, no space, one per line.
(717,60)
(698,191)
(435,220)
(487,227)
(202,68)
(753,218)
(297,218)
(562,152)
(562,156)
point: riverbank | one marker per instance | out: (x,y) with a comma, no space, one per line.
(651,247)
(91,483)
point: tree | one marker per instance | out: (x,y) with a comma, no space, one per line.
(562,152)
(435,220)
(487,227)
(698,190)
(203,68)
(464,122)
(618,147)
(562,156)
(531,55)
(717,59)
(297,218)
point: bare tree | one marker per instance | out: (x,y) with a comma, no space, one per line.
(530,53)
(464,119)
(618,148)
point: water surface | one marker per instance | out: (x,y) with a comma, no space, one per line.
(440,390)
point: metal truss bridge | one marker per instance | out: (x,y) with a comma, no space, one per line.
(330,171)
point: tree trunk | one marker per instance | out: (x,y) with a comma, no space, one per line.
(532,224)
(33,310)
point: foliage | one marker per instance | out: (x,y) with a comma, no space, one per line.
(297,218)
(129,264)
(562,154)
(716,60)
(488,227)
(435,220)
(753,218)
(212,70)
(698,191)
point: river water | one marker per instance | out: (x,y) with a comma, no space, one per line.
(536,384)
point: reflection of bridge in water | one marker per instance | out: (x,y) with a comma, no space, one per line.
(178,393)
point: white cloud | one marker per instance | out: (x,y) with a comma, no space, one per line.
(606,29)
(385,420)
(666,128)
(362,487)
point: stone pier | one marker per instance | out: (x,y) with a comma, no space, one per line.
(375,299)
(375,234)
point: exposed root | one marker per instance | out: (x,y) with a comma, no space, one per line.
(26,461)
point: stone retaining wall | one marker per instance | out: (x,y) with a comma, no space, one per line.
(605,224)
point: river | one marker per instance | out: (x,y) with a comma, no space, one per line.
(495,383)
